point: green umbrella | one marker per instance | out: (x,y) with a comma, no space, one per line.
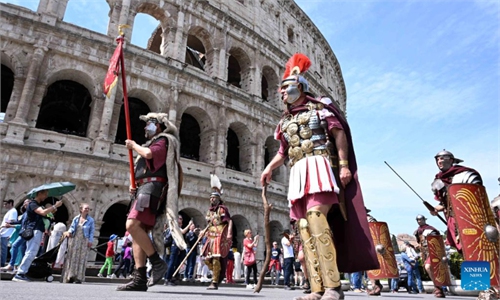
(56,189)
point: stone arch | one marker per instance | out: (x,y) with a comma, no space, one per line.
(22,184)
(7,85)
(65,108)
(15,61)
(189,133)
(239,69)
(271,147)
(191,213)
(153,101)
(198,43)
(113,222)
(158,41)
(240,223)
(11,57)
(239,148)
(276,231)
(206,133)
(161,14)
(272,83)
(204,37)
(92,84)
(137,107)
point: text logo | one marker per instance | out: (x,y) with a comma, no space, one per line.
(475,275)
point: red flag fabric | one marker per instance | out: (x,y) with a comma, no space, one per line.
(113,70)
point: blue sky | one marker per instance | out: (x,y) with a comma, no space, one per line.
(420,76)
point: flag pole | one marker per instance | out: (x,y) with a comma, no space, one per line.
(120,40)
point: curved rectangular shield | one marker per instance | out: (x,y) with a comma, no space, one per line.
(476,226)
(385,252)
(439,262)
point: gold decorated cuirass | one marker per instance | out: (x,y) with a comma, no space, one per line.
(214,218)
(305,134)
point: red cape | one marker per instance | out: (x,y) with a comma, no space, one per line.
(353,241)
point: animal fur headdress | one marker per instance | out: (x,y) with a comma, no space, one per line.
(161,118)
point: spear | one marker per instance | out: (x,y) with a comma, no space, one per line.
(427,204)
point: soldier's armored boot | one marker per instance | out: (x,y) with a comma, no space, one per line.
(326,255)
(216,267)
(311,261)
(138,283)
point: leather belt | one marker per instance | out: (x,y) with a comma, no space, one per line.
(150,179)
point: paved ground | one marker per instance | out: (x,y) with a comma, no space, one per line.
(92,290)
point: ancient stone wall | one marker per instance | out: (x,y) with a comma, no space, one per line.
(40,50)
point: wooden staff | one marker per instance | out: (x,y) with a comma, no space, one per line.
(200,236)
(267,236)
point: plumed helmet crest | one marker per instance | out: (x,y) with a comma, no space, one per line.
(297,64)
(216,186)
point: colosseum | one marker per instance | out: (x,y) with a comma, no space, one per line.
(213,66)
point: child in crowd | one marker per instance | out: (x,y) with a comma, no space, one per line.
(110,255)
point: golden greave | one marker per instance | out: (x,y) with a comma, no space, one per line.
(215,270)
(325,248)
(209,264)
(310,257)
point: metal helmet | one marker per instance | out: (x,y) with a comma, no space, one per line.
(216,185)
(420,217)
(496,202)
(295,67)
(448,153)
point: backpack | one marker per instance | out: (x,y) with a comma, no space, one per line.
(167,238)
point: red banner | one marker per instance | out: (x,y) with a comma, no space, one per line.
(113,70)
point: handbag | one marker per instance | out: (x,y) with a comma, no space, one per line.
(27,234)
(27,228)
(249,258)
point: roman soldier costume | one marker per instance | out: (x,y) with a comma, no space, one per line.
(306,139)
(218,234)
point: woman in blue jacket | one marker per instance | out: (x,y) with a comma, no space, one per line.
(81,234)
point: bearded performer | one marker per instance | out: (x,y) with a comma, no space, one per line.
(316,139)
(157,174)
(219,234)
(450,172)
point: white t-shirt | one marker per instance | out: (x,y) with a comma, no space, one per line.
(10,216)
(287,250)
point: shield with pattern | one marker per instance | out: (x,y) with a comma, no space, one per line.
(385,252)
(476,226)
(439,262)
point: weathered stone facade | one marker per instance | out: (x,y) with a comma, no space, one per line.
(39,50)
